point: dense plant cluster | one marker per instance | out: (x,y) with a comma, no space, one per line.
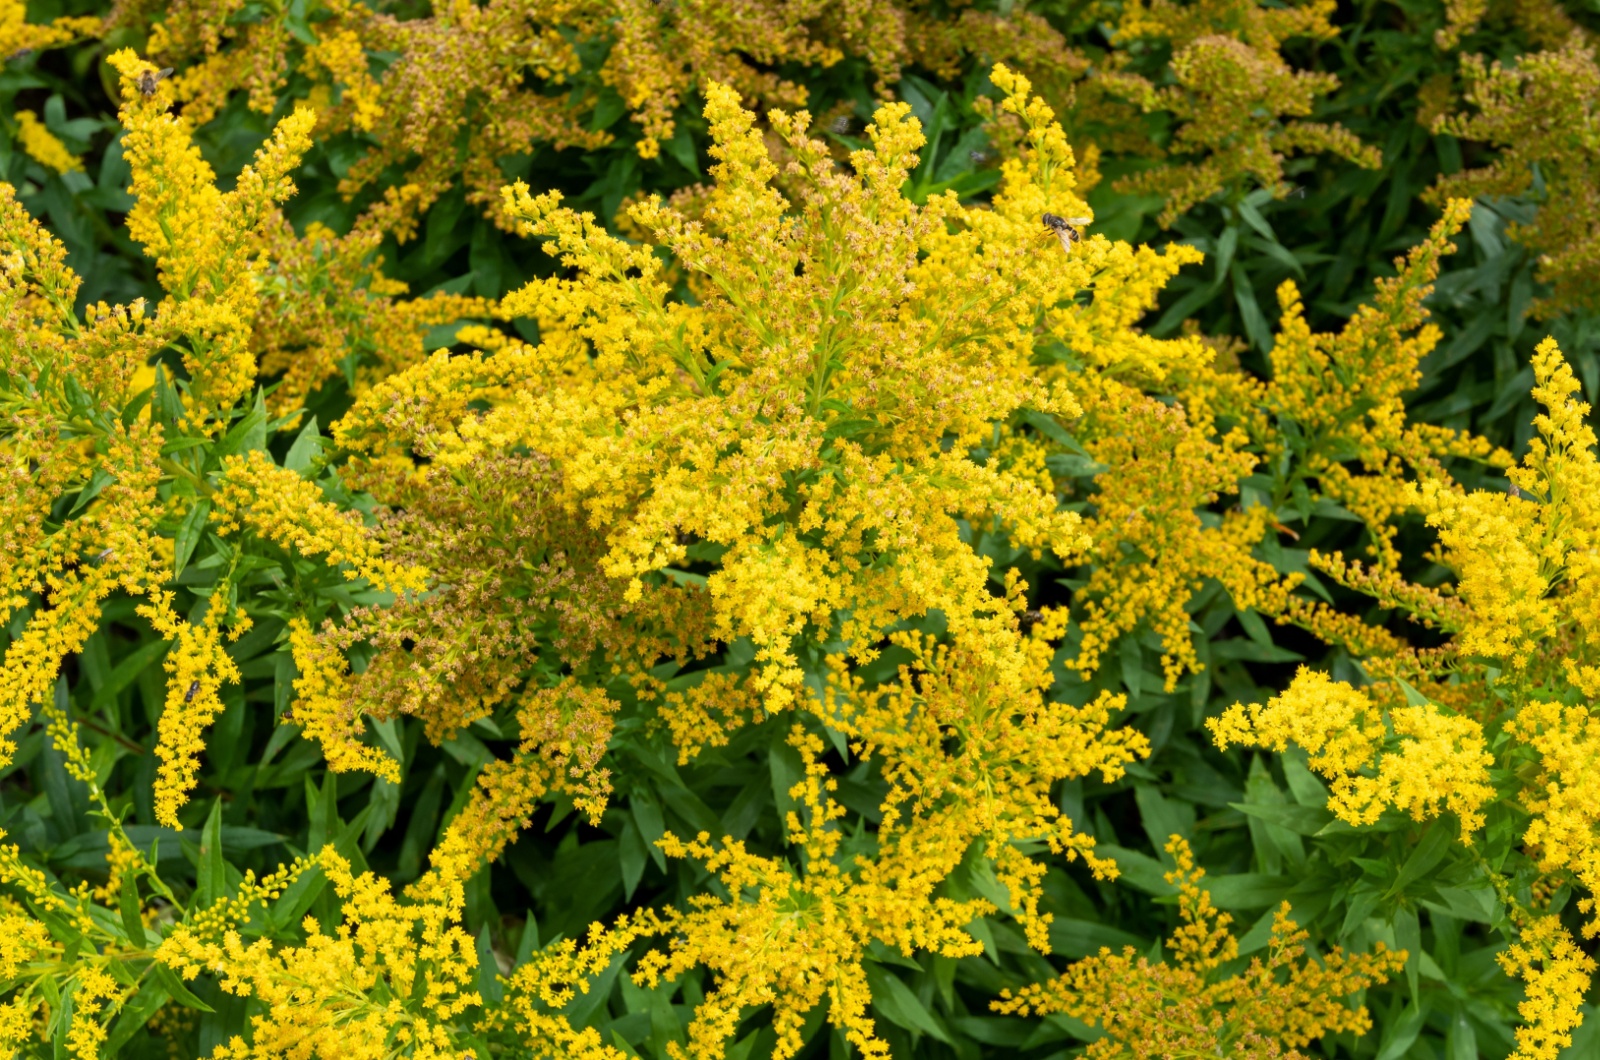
(795,529)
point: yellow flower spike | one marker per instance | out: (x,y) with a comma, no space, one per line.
(564,734)
(321,707)
(17,34)
(43,145)
(205,242)
(341,55)
(285,508)
(197,667)
(1524,560)
(1564,797)
(1557,974)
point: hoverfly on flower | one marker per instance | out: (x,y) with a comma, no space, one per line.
(150,78)
(1063,229)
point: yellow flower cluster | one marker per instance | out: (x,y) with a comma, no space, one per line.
(1344,393)
(847,355)
(1414,758)
(392,979)
(1540,114)
(66,960)
(1565,831)
(458,75)
(1238,102)
(489,79)
(829,400)
(322,708)
(1152,547)
(1506,719)
(325,308)
(1524,560)
(808,463)
(89,416)
(285,508)
(1152,1009)
(772,392)
(540,988)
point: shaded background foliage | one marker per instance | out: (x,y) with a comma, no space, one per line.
(1333,228)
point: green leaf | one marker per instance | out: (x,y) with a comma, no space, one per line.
(1432,848)
(1070,465)
(1253,218)
(584,1005)
(489,985)
(787,771)
(182,444)
(681,147)
(895,1002)
(1408,937)
(1247,890)
(135,1014)
(128,906)
(1255,627)
(169,981)
(1255,323)
(167,401)
(1413,697)
(1076,939)
(1301,820)
(1179,311)
(99,480)
(1138,870)
(249,433)
(652,826)
(307,444)
(322,807)
(1131,657)
(61,1018)
(1227,244)
(1304,786)
(136,405)
(297,898)
(1049,427)
(283,678)
(607,109)
(1252,651)
(126,672)
(632,856)
(188,536)
(1399,1035)
(212,871)
(1162,818)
